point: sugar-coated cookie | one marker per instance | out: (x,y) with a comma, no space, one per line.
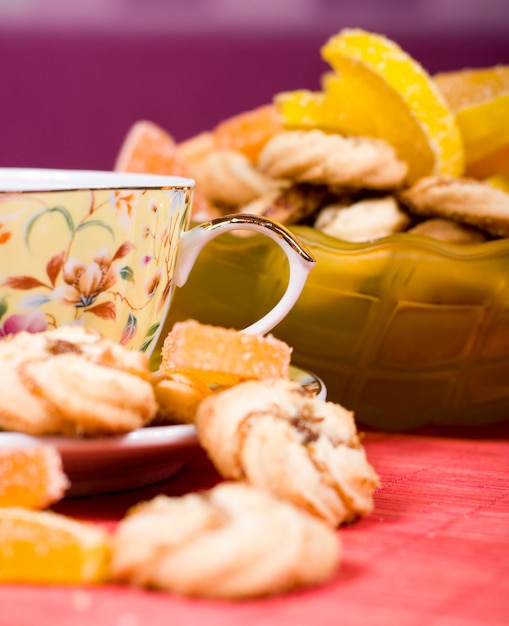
(234,541)
(272,434)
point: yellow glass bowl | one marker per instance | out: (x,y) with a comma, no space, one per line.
(406,331)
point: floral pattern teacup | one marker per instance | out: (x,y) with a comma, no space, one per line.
(106,250)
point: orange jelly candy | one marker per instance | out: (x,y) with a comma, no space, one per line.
(223,356)
(248,132)
(31,474)
(42,547)
(147,148)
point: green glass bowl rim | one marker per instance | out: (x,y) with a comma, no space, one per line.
(402,242)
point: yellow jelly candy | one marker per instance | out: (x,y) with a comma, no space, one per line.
(480,99)
(394,99)
(328,110)
(46,547)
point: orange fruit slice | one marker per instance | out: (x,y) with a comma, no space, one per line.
(147,148)
(398,97)
(223,356)
(301,109)
(196,148)
(46,547)
(480,99)
(248,132)
(304,109)
(31,473)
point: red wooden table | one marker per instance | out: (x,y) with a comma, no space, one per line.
(435,552)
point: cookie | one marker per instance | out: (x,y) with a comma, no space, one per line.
(273,435)
(72,381)
(449,231)
(365,220)
(232,542)
(291,205)
(313,156)
(228,178)
(461,199)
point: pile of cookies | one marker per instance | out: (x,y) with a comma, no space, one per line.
(382,148)
(294,466)
(351,188)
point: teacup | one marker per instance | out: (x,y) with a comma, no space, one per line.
(106,250)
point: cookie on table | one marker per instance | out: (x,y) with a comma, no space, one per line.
(233,541)
(274,435)
(72,381)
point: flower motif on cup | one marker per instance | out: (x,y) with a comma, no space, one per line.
(31,321)
(5,234)
(121,284)
(152,283)
(124,201)
(84,283)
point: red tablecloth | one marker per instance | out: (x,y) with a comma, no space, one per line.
(434,553)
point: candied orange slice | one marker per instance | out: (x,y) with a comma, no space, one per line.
(31,473)
(223,356)
(403,104)
(248,132)
(149,149)
(480,99)
(196,148)
(46,547)
(303,109)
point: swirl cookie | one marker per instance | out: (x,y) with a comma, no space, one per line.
(228,178)
(313,156)
(448,230)
(291,205)
(273,435)
(234,541)
(72,381)
(461,199)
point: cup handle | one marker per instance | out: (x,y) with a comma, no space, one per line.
(301,262)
